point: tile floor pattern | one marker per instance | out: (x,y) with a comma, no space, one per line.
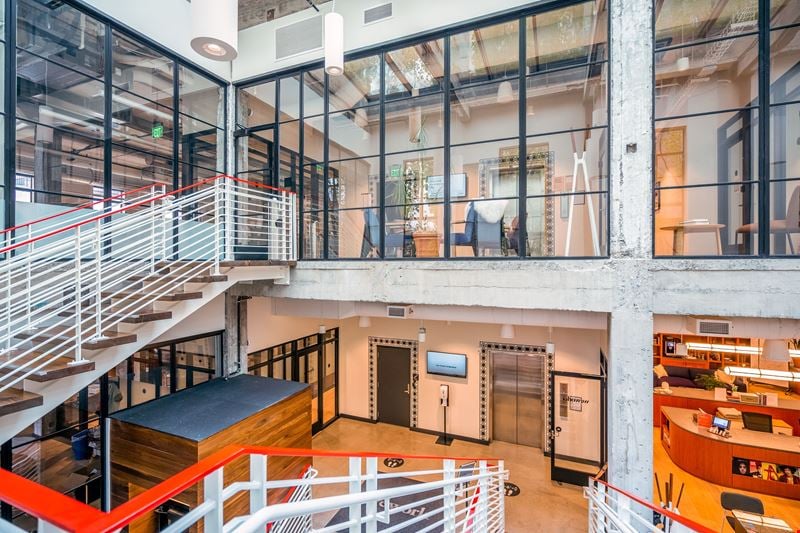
(542,506)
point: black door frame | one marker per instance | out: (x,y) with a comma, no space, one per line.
(411,381)
(566,475)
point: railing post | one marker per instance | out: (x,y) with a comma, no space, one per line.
(483,497)
(212,491)
(294,223)
(29,299)
(78,296)
(501,496)
(230,231)
(372,485)
(258,477)
(166,220)
(354,488)
(449,501)
(7,264)
(285,219)
(98,252)
(217,226)
(153,241)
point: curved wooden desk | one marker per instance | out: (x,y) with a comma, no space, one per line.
(710,457)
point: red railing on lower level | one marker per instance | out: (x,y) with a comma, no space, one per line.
(73,516)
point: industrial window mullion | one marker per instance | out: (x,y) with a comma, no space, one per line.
(298,187)
(276,135)
(10,118)
(382,161)
(446,158)
(763,126)
(176,130)
(522,211)
(325,156)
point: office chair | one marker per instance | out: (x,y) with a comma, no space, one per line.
(731,501)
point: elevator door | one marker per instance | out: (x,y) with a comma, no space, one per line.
(518,398)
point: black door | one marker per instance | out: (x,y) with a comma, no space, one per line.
(394,382)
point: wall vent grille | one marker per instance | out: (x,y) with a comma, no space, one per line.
(712,327)
(377,13)
(298,38)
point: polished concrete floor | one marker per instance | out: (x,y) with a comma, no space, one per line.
(541,506)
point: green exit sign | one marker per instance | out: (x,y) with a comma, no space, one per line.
(395,171)
(158,130)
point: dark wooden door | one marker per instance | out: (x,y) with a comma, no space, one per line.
(394,385)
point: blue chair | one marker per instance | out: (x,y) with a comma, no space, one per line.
(370,246)
(478,233)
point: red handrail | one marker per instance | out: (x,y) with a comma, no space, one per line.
(666,512)
(134,205)
(77,208)
(72,515)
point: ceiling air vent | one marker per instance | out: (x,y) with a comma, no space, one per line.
(705,326)
(298,38)
(377,13)
(399,311)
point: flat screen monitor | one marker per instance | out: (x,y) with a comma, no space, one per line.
(757,422)
(447,364)
(721,423)
(458,186)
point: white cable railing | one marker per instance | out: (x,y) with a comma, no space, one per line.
(64,289)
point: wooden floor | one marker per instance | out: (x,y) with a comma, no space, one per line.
(700,500)
(542,505)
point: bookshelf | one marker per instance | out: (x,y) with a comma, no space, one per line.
(703,351)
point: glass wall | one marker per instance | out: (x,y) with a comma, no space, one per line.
(724,150)
(99,112)
(414,152)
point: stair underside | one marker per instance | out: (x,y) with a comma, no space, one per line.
(50,337)
(168,297)
(56,369)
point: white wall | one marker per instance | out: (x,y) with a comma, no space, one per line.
(166,22)
(257,44)
(210,317)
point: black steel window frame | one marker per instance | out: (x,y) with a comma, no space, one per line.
(445,33)
(110,25)
(763,181)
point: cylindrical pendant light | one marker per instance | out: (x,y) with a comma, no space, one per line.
(215,29)
(505,93)
(364,322)
(334,44)
(507,331)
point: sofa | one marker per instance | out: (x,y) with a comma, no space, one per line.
(679,376)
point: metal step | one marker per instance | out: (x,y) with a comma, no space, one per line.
(14,400)
(59,368)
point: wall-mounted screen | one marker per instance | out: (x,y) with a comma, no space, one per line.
(458,186)
(447,364)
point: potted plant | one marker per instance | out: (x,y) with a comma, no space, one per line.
(709,382)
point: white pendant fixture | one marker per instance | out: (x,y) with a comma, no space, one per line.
(683,63)
(334,44)
(215,29)
(746,372)
(422,335)
(505,93)
(322,329)
(364,322)
(507,331)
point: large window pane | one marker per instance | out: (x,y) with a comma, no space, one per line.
(142,124)
(256,105)
(414,123)
(415,69)
(412,176)
(314,138)
(354,183)
(785,218)
(313,187)
(289,101)
(313,228)
(196,361)
(566,226)
(141,70)
(254,152)
(132,169)
(706,149)
(570,36)
(52,95)
(707,77)
(313,92)
(487,111)
(201,149)
(353,233)
(485,170)
(201,97)
(414,230)
(358,86)
(686,21)
(483,228)
(785,65)
(706,221)
(785,142)
(567,99)
(354,133)
(485,53)
(784,12)
(58,31)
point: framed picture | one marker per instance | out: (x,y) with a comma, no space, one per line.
(576,403)
(564,206)
(580,199)
(657,197)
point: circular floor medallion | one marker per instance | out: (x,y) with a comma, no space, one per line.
(511,489)
(393,462)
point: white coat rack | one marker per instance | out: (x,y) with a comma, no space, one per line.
(580,162)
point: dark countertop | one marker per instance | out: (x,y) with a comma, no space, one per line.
(201,411)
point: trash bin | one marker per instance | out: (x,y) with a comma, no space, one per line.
(80,445)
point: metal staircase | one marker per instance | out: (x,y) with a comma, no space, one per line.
(83,290)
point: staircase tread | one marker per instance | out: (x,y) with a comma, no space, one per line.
(59,368)
(56,334)
(201,278)
(13,400)
(170,296)
(133,318)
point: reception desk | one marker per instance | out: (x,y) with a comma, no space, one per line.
(716,459)
(787,410)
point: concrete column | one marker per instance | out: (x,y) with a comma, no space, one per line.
(234,359)
(630,428)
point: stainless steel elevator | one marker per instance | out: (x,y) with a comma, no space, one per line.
(518,390)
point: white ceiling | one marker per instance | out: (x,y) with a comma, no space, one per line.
(253,12)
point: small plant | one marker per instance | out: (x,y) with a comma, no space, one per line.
(708,381)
